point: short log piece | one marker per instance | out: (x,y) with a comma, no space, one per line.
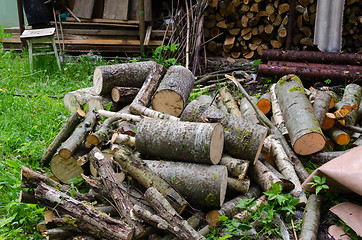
(229,102)
(304,131)
(311,218)
(174,90)
(264,103)
(103,133)
(352,97)
(236,185)
(189,178)
(322,101)
(65,169)
(339,136)
(263,176)
(121,75)
(243,139)
(124,94)
(236,167)
(78,98)
(180,141)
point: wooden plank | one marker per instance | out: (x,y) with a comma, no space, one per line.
(101,20)
(116,9)
(133,11)
(89,25)
(83,8)
(148,36)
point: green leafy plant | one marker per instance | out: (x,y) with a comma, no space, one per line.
(319,183)
(159,55)
(327,81)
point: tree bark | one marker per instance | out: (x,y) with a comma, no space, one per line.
(243,140)
(63,135)
(78,98)
(76,139)
(236,185)
(305,133)
(311,216)
(310,56)
(277,113)
(286,168)
(352,96)
(322,101)
(174,222)
(136,167)
(173,92)
(124,116)
(116,190)
(236,167)
(229,102)
(123,139)
(263,176)
(87,219)
(180,141)
(247,110)
(124,94)
(121,75)
(287,185)
(189,178)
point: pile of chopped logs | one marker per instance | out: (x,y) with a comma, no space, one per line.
(149,164)
(235,28)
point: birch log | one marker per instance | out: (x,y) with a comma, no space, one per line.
(243,140)
(322,101)
(247,111)
(121,75)
(180,141)
(311,218)
(236,167)
(229,102)
(263,176)
(352,97)
(305,133)
(78,98)
(277,113)
(201,185)
(174,90)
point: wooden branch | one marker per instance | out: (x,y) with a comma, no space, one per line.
(229,102)
(123,139)
(263,176)
(124,116)
(103,133)
(311,218)
(236,167)
(124,94)
(236,185)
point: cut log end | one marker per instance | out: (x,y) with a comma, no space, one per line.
(97,80)
(212,218)
(328,123)
(115,94)
(264,105)
(80,112)
(309,143)
(168,102)
(65,153)
(343,139)
(216,148)
(93,140)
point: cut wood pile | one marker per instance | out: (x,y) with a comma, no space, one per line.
(150,164)
(236,28)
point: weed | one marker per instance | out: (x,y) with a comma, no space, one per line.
(327,81)
(319,183)
(159,55)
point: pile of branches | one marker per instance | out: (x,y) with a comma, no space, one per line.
(209,153)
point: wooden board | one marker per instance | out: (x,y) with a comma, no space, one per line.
(133,10)
(83,8)
(101,20)
(116,9)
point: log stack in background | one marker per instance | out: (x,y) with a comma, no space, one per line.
(237,28)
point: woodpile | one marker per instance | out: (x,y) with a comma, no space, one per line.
(238,28)
(147,170)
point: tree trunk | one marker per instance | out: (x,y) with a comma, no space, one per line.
(63,135)
(173,92)
(263,176)
(78,98)
(136,167)
(305,133)
(243,140)
(322,101)
(247,111)
(124,94)
(311,217)
(189,178)
(236,167)
(116,190)
(65,169)
(352,97)
(286,168)
(87,219)
(277,113)
(174,222)
(77,138)
(180,141)
(121,75)
(236,185)
(229,102)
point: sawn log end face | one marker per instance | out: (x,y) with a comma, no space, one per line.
(310,143)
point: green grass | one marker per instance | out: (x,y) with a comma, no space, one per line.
(28,125)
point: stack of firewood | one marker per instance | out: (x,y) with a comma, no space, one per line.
(239,28)
(201,153)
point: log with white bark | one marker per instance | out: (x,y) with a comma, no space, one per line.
(311,218)
(263,176)
(143,98)
(167,218)
(304,131)
(321,105)
(287,185)
(285,166)
(124,94)
(236,167)
(189,178)
(352,96)
(174,90)
(118,193)
(125,139)
(277,113)
(180,141)
(229,102)
(247,110)
(236,185)
(124,116)
(63,135)
(78,98)
(120,75)
(229,208)
(136,167)
(76,139)
(243,140)
(88,219)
